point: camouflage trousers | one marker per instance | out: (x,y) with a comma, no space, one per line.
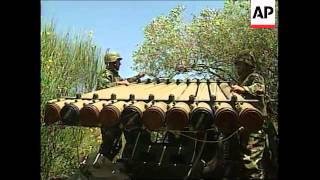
(253,147)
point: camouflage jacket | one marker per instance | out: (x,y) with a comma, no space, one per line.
(255,89)
(108,78)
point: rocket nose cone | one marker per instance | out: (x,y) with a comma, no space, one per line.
(153,118)
(226,120)
(176,119)
(52,114)
(89,116)
(70,115)
(109,116)
(251,120)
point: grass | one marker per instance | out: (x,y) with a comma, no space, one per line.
(69,65)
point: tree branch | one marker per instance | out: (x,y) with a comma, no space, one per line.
(210,70)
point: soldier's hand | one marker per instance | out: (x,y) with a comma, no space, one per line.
(237,89)
(124,82)
(141,74)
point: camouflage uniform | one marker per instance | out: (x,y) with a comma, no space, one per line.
(110,136)
(108,78)
(253,144)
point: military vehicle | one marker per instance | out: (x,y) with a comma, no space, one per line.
(174,129)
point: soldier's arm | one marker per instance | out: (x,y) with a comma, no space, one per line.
(257,86)
(135,78)
(110,84)
(123,82)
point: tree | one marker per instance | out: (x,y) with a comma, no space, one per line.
(208,44)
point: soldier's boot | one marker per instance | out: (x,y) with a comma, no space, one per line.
(99,161)
(212,168)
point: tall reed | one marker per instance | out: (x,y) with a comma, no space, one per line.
(69,65)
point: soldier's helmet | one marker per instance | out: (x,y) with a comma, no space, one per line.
(246,57)
(112,57)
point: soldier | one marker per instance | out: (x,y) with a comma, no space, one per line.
(251,87)
(109,78)
(112,139)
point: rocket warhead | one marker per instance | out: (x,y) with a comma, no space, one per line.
(201,116)
(154,116)
(226,118)
(250,118)
(89,114)
(110,114)
(178,116)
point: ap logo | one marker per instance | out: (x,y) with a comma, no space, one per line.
(263,14)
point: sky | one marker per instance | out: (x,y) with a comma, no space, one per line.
(117,25)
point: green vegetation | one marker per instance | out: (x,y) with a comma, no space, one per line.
(207,45)
(212,38)
(68,65)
